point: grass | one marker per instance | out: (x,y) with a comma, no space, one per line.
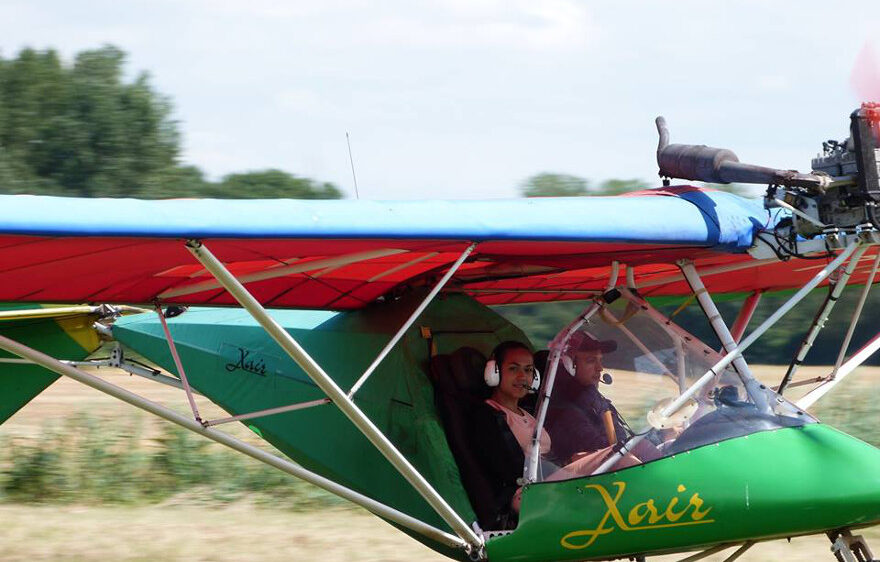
(109,485)
(89,460)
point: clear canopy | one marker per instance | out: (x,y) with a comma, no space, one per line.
(618,384)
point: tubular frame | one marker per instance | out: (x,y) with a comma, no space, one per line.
(409,321)
(821,317)
(284,465)
(855,361)
(179,364)
(745,315)
(557,347)
(728,343)
(844,346)
(728,359)
(204,256)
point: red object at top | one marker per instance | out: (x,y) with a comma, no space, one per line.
(871,110)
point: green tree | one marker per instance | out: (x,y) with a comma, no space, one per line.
(272,183)
(564,185)
(616,186)
(548,184)
(82,130)
(181,181)
(555,185)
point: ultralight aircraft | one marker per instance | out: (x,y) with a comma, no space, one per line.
(364,371)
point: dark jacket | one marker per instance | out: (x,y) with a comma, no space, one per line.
(574,419)
(502,460)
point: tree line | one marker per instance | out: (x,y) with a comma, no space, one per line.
(83,130)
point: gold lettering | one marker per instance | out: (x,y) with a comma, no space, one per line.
(697,502)
(645,509)
(610,511)
(672,515)
(584,538)
(653,515)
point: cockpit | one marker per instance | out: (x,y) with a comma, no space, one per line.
(647,389)
(620,386)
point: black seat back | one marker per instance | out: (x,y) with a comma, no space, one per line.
(459,393)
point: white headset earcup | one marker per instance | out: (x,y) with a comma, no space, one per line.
(568,363)
(536,380)
(490,373)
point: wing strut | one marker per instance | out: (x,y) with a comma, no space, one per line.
(728,342)
(557,348)
(869,282)
(409,321)
(841,369)
(745,314)
(736,352)
(269,412)
(179,364)
(284,465)
(336,394)
(821,316)
(862,355)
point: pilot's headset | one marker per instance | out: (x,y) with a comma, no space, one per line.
(492,372)
(582,341)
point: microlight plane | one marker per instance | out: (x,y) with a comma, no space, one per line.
(362,372)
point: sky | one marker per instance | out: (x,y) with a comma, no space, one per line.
(468,98)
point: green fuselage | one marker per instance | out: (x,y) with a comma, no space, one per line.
(769,484)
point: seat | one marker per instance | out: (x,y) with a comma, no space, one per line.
(459,392)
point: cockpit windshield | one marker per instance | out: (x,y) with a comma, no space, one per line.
(630,387)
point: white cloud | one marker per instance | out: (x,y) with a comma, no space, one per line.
(773,83)
(303,100)
(513,24)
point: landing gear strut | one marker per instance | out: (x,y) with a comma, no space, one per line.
(847,547)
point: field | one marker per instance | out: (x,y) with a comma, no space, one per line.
(198,524)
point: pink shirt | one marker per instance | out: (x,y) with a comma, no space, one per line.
(522,424)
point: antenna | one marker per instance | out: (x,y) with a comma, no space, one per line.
(350,159)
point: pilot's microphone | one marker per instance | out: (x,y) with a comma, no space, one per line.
(528,388)
(606,378)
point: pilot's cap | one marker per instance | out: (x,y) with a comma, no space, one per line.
(582,341)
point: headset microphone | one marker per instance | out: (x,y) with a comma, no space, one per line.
(606,378)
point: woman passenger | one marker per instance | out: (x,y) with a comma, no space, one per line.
(503,432)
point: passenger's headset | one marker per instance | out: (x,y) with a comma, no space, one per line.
(492,372)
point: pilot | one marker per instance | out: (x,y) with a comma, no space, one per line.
(580,419)
(502,431)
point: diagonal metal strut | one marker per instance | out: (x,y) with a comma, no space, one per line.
(728,342)
(863,296)
(179,364)
(334,392)
(284,465)
(820,318)
(730,356)
(409,321)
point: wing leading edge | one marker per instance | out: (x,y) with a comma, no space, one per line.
(345,254)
